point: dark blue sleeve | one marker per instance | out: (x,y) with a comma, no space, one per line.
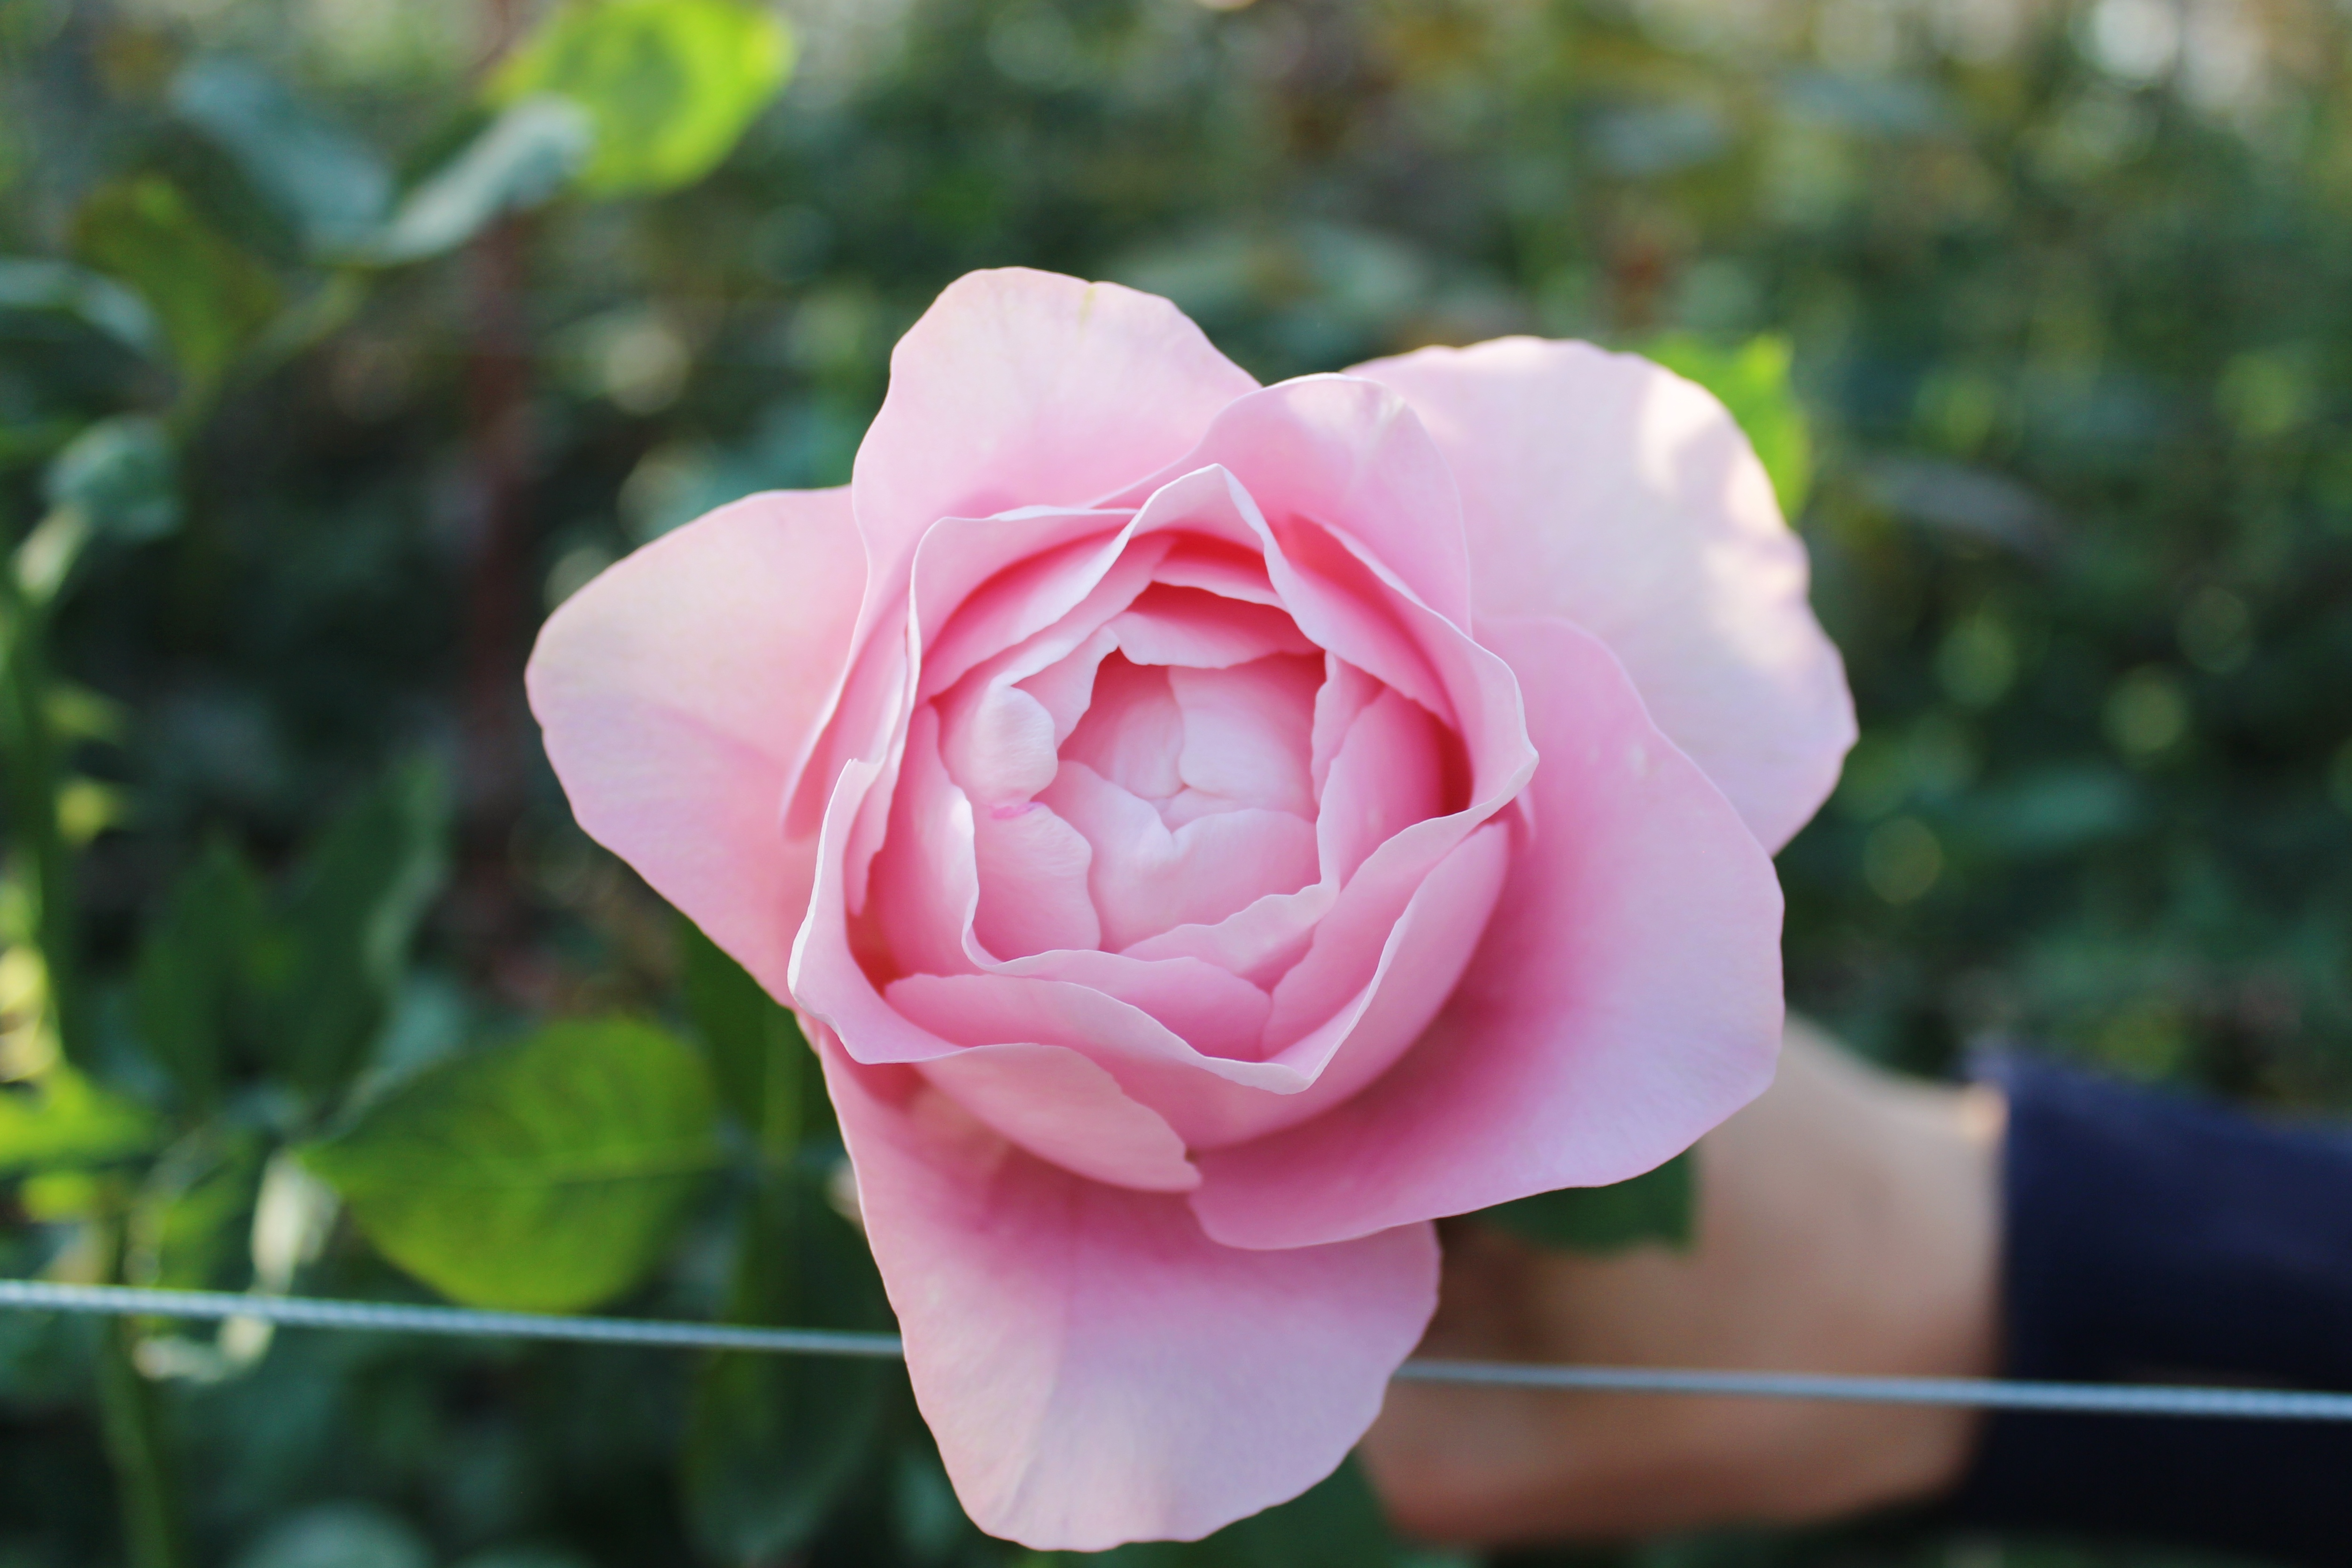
(2152,1238)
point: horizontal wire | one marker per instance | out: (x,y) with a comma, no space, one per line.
(1981,1393)
(386,1317)
(1976,1393)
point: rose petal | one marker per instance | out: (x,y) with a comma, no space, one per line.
(676,693)
(927,876)
(1035,874)
(1389,774)
(1068,1112)
(1133,732)
(1205,630)
(1626,997)
(1096,580)
(1346,693)
(1212,1009)
(1045,602)
(1258,941)
(828,984)
(998,744)
(1219,567)
(1246,732)
(1145,878)
(1340,450)
(1603,488)
(1423,956)
(1096,1370)
(1137,1049)
(1346,942)
(1425,953)
(1028,389)
(1066,686)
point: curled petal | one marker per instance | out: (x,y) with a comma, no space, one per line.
(1209,1008)
(1068,1111)
(1339,450)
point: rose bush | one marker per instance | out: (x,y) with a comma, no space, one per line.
(1210,832)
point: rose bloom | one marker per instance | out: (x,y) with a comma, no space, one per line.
(1208,832)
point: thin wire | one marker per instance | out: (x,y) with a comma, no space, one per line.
(1989,1393)
(385,1317)
(1979,1393)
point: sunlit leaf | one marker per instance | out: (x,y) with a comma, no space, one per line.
(1655,1208)
(547,1174)
(331,182)
(62,1119)
(211,297)
(518,160)
(670,85)
(1752,381)
(88,808)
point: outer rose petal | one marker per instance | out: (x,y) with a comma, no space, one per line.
(1094,1369)
(676,689)
(1625,999)
(1603,488)
(1020,388)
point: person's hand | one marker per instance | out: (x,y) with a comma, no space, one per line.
(1848,1222)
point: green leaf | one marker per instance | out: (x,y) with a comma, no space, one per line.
(1335,1524)
(93,298)
(1654,1208)
(194,969)
(670,85)
(210,296)
(1752,381)
(65,1121)
(518,160)
(121,476)
(765,1072)
(331,183)
(356,904)
(772,1441)
(547,1174)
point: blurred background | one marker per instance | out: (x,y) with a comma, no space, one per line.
(341,339)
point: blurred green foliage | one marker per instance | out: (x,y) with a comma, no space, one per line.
(339,342)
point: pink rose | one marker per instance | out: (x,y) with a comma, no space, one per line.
(1212,832)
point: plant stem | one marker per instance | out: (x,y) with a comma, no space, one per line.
(136,1449)
(127,1404)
